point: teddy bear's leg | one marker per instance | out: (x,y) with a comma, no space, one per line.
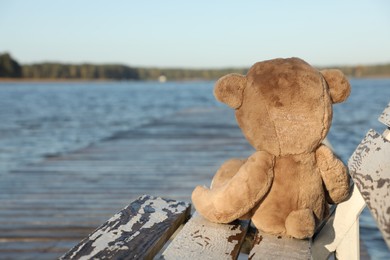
(240,194)
(226,172)
(300,223)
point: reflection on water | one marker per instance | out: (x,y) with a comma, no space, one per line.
(39,119)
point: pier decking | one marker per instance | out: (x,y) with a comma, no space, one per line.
(48,207)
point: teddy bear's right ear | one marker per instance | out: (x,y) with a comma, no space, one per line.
(229,89)
(339,86)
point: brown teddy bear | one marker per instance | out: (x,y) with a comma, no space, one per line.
(284,109)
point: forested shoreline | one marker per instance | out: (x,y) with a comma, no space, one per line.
(10,68)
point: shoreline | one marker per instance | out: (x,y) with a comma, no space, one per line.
(32,80)
(49,80)
(59,80)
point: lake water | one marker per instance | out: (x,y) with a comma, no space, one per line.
(43,119)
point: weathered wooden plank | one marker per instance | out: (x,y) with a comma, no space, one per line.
(370,170)
(137,232)
(268,246)
(201,239)
(385,116)
(338,225)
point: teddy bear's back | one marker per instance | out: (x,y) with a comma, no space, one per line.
(297,185)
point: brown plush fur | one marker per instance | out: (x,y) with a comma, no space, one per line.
(284,109)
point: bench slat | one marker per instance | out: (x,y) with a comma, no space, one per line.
(272,247)
(370,170)
(137,232)
(201,239)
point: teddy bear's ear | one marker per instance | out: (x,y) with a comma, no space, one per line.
(229,89)
(338,84)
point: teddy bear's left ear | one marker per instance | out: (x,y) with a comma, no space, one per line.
(229,89)
(338,84)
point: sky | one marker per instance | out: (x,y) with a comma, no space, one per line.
(196,34)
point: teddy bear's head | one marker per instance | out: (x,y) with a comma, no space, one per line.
(283,106)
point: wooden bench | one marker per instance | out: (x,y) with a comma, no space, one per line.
(143,229)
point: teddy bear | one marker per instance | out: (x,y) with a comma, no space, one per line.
(284,110)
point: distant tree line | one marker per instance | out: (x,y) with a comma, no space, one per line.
(186,74)
(83,71)
(363,71)
(9,68)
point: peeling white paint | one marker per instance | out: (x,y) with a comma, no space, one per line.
(102,237)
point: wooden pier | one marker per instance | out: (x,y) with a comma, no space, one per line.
(48,207)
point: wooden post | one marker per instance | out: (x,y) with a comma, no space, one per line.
(370,170)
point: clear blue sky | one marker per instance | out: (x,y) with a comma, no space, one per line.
(196,34)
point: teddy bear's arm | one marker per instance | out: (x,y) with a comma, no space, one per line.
(240,194)
(334,175)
